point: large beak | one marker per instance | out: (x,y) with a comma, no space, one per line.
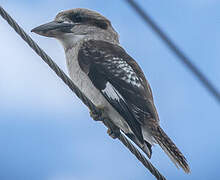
(53,29)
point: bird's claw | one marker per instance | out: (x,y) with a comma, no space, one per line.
(97,116)
(113,133)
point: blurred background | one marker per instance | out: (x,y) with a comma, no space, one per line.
(46,133)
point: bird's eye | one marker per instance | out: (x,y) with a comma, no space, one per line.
(78,19)
(60,21)
(64,21)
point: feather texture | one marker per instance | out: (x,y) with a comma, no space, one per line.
(122,83)
(116,74)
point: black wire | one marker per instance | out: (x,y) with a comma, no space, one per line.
(182,57)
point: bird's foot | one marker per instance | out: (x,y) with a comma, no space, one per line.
(113,133)
(113,130)
(97,116)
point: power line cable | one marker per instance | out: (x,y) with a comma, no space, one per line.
(176,50)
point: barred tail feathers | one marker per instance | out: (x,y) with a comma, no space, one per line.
(170,149)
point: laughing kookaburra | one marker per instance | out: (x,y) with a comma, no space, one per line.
(110,78)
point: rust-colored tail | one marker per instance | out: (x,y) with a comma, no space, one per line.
(170,149)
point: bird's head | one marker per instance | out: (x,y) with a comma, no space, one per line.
(74,24)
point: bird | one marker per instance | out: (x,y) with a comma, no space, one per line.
(110,78)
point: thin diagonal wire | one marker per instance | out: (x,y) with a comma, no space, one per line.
(177,51)
(76,90)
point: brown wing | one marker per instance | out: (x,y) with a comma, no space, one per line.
(120,80)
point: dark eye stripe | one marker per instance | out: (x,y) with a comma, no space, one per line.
(81,18)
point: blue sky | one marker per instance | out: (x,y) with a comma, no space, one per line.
(46,132)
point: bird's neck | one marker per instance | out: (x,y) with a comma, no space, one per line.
(70,41)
